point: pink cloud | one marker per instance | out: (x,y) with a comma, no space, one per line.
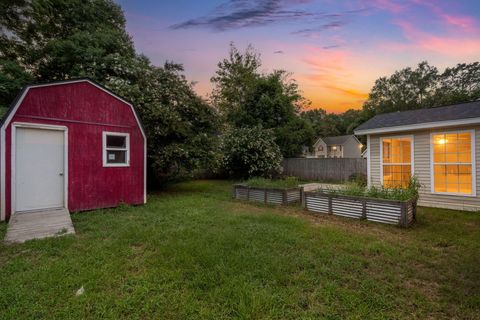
(449,20)
(464,22)
(388,5)
(446,44)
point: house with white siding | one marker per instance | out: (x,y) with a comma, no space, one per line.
(346,146)
(440,146)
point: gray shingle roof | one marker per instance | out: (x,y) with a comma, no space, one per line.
(447,113)
(338,140)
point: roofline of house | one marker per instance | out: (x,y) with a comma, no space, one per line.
(318,140)
(419,126)
(340,144)
(356,139)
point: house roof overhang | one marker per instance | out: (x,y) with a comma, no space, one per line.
(419,126)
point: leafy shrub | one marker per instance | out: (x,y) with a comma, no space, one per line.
(401,194)
(251,152)
(359,178)
(288,182)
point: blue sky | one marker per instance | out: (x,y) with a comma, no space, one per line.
(334,49)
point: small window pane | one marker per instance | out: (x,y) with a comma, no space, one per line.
(464,157)
(439,157)
(439,169)
(453,188)
(466,188)
(438,148)
(406,152)
(465,169)
(451,158)
(464,138)
(451,148)
(116,156)
(116,141)
(464,148)
(439,139)
(451,138)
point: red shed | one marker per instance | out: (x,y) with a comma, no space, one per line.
(71,144)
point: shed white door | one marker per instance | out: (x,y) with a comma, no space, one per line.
(39,169)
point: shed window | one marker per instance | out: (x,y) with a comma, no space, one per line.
(396,162)
(452,163)
(116,149)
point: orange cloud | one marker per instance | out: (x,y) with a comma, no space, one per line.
(334,81)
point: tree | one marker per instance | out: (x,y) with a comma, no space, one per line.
(247,98)
(404,90)
(424,87)
(324,124)
(459,84)
(58,39)
(251,152)
(12,78)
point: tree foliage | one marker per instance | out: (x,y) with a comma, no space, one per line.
(248,98)
(424,87)
(63,39)
(251,152)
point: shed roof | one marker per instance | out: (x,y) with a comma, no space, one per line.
(21,95)
(429,117)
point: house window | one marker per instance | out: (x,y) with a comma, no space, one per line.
(116,149)
(396,162)
(320,148)
(453,163)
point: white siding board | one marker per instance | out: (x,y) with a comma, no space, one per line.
(375,160)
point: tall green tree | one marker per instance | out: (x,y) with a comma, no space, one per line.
(323,124)
(248,98)
(424,87)
(62,39)
(458,84)
(404,90)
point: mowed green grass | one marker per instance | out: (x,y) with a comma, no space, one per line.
(194,253)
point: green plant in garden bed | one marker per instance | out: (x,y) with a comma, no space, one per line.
(401,194)
(288,182)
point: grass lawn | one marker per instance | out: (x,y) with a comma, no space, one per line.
(193,252)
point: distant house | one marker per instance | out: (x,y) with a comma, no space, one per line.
(437,145)
(346,146)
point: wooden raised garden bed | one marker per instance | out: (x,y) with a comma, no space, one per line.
(267,195)
(396,212)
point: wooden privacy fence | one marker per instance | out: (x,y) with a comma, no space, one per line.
(324,169)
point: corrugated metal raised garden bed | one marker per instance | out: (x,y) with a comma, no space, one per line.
(396,212)
(282,196)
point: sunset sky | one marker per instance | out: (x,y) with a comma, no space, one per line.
(335,49)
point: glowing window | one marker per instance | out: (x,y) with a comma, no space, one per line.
(397,162)
(452,163)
